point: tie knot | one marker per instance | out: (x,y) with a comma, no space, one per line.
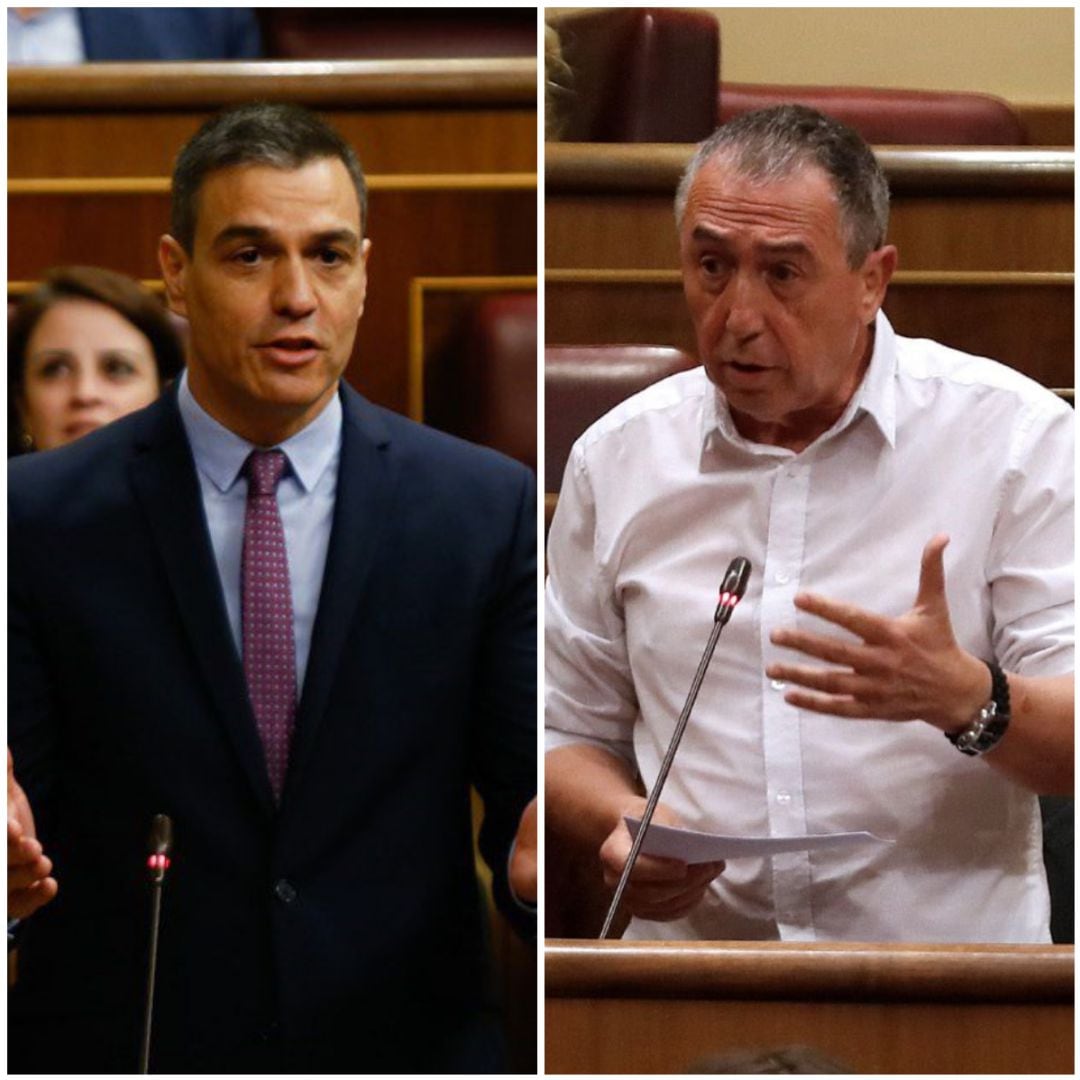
(264,469)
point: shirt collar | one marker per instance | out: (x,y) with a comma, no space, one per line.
(220,453)
(875,396)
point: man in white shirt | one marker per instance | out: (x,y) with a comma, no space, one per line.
(855,688)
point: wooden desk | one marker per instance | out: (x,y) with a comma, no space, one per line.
(659,1007)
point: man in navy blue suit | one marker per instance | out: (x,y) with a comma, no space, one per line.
(321,913)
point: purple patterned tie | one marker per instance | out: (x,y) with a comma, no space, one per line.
(269,653)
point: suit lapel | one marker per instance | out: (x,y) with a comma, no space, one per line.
(166,485)
(363,504)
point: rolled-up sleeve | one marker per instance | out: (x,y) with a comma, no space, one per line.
(589,688)
(1032,554)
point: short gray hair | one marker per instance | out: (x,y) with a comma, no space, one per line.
(770,144)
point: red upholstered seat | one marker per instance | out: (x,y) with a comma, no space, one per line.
(640,74)
(582,382)
(482,384)
(651,75)
(900,117)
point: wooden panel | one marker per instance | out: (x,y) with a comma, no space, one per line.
(631,1037)
(660,1006)
(416,232)
(932,233)
(386,140)
(1048,125)
(131,119)
(959,210)
(1025,321)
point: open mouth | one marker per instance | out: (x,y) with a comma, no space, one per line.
(747,368)
(291,350)
(292,344)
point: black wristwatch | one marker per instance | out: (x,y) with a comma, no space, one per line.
(986,730)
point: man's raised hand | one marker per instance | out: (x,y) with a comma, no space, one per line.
(906,668)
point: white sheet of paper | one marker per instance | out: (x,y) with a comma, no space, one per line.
(699,847)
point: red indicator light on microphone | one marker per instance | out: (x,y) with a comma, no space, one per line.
(728,599)
(159,862)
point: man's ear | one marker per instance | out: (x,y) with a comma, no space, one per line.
(365,251)
(877,272)
(174,260)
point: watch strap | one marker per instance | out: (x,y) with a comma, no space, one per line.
(988,727)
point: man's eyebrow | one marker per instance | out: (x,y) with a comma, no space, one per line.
(337,236)
(706,235)
(240,232)
(257,233)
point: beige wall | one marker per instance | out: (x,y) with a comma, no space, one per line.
(1022,54)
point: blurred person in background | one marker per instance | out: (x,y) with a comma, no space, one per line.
(65,35)
(86,347)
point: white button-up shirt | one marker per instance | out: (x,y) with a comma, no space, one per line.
(660,495)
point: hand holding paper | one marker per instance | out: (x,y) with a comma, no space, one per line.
(660,888)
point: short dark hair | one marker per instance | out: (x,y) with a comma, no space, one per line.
(123,294)
(261,133)
(769,144)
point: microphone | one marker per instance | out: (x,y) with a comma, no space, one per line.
(160,846)
(161,834)
(732,591)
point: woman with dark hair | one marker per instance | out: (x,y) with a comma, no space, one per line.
(85,347)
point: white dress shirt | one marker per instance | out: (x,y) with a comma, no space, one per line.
(305,496)
(660,495)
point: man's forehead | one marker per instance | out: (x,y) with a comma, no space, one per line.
(795,205)
(315,196)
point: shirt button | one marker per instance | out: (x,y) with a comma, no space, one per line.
(777,684)
(783,797)
(782,577)
(284,891)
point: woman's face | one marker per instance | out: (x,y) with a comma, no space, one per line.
(86,365)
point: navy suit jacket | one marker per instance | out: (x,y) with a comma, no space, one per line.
(341,931)
(170,33)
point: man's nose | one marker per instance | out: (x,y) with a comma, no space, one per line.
(745,318)
(293,293)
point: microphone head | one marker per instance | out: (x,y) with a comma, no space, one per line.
(161,835)
(732,589)
(737,577)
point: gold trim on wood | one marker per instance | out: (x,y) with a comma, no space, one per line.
(417,288)
(21,288)
(159,185)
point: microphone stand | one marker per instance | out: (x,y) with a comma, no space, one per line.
(158,862)
(731,593)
